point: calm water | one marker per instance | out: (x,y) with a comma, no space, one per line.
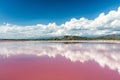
(59,61)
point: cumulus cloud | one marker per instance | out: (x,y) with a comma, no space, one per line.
(103,54)
(104,24)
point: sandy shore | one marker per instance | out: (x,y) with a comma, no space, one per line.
(85,41)
(67,41)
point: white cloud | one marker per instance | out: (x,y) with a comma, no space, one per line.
(104,24)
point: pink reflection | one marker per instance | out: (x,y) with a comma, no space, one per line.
(58,61)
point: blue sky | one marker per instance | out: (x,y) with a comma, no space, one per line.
(25,19)
(27,12)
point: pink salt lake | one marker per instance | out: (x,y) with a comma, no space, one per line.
(34,60)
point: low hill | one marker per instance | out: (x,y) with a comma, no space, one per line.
(69,37)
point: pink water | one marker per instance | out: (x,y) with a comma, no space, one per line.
(57,61)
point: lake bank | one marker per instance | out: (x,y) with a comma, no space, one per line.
(69,41)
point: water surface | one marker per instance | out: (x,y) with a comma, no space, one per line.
(34,60)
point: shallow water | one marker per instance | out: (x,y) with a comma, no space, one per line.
(30,60)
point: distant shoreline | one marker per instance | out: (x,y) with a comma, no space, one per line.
(66,41)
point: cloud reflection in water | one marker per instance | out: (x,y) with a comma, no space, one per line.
(103,54)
